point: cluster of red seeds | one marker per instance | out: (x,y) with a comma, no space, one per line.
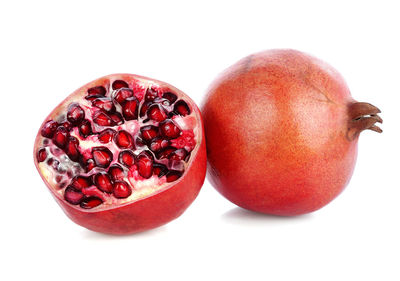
(158,141)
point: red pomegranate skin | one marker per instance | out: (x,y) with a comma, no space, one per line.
(278,134)
(147,212)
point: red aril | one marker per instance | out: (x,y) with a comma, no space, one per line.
(97,155)
(282,132)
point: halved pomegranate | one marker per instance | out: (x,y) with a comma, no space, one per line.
(115,171)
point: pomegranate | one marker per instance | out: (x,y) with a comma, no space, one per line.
(115,171)
(282,131)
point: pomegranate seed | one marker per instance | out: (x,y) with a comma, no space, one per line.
(72,149)
(106,135)
(159,170)
(140,142)
(169,129)
(121,189)
(157,144)
(58,178)
(102,156)
(41,155)
(97,90)
(170,96)
(151,94)
(104,103)
(144,162)
(102,119)
(116,172)
(73,196)
(75,113)
(118,84)
(156,113)
(117,118)
(149,132)
(144,108)
(123,139)
(178,155)
(60,137)
(126,158)
(93,97)
(182,108)
(173,176)
(49,128)
(50,161)
(122,95)
(80,182)
(103,181)
(90,202)
(166,152)
(85,128)
(130,108)
(67,125)
(89,165)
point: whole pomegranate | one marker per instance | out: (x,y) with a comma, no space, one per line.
(282,131)
(123,154)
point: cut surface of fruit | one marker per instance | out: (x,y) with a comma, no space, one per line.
(95,152)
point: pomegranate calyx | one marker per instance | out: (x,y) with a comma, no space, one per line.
(363,116)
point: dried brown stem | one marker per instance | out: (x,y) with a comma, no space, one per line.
(362,116)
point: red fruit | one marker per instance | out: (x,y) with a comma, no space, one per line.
(80,182)
(73,196)
(144,162)
(60,137)
(98,90)
(72,149)
(121,189)
(123,140)
(106,135)
(49,128)
(75,114)
(182,108)
(85,128)
(116,172)
(118,84)
(90,202)
(104,103)
(126,158)
(151,94)
(103,119)
(103,182)
(282,131)
(157,144)
(102,156)
(41,155)
(101,170)
(171,97)
(156,113)
(130,108)
(149,132)
(122,95)
(169,129)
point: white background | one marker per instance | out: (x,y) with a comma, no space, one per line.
(50,48)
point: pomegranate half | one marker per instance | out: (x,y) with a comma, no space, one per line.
(282,131)
(123,154)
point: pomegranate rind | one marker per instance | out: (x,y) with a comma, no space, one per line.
(276,125)
(149,211)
